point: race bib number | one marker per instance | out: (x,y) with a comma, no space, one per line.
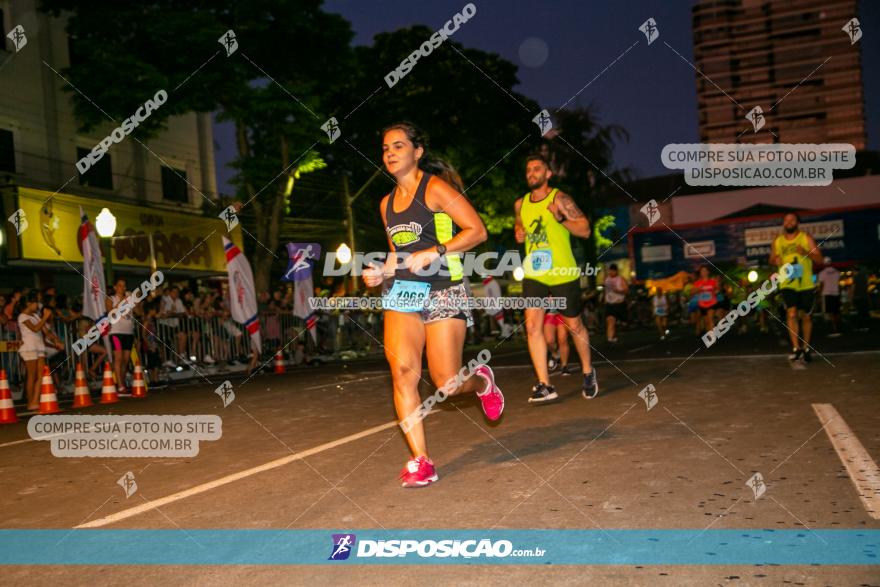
(406,296)
(542,260)
(706,296)
(797,271)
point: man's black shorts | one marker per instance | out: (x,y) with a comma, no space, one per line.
(571,291)
(617,311)
(802,300)
(832,304)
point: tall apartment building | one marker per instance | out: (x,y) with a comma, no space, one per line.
(157,188)
(791,58)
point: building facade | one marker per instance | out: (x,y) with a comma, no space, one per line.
(790,57)
(156,187)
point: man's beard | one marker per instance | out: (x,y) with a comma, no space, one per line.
(791,230)
(536,184)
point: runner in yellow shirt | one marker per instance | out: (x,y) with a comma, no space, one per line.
(798,291)
(545,220)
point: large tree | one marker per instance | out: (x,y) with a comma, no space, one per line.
(288,50)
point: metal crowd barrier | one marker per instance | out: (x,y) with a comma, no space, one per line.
(204,340)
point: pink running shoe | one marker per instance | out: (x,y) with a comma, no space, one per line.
(491,398)
(418,472)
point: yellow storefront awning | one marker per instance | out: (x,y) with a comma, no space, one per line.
(185,241)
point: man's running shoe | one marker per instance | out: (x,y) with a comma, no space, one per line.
(491,397)
(567,370)
(796,354)
(208,360)
(543,393)
(808,355)
(123,392)
(552,363)
(418,472)
(591,385)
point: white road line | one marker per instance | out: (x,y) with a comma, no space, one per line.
(155,503)
(704,358)
(640,348)
(346,382)
(862,469)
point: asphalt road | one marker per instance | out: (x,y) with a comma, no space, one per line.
(332,453)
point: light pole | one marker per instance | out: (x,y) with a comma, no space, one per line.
(105,224)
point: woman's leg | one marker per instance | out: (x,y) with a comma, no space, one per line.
(404,341)
(30,384)
(121,358)
(445,341)
(562,343)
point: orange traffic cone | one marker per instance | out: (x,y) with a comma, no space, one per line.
(279,362)
(82,397)
(108,390)
(48,399)
(138,386)
(7,410)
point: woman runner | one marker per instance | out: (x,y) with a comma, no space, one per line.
(426,308)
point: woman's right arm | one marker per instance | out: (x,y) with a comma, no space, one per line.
(38,326)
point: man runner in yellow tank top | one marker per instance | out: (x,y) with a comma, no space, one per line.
(798,291)
(545,219)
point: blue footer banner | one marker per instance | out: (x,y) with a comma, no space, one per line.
(456,547)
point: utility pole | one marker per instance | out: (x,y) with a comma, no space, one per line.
(349,222)
(348,201)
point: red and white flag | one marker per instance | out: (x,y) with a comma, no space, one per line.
(242,297)
(94,286)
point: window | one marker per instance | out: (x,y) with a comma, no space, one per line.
(100,174)
(7,151)
(174,185)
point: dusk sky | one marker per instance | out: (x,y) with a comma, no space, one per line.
(560,46)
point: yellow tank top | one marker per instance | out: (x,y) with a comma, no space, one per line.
(549,259)
(802,266)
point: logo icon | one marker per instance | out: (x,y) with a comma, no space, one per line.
(757,485)
(19,221)
(128,484)
(224,390)
(756,117)
(650,396)
(229,217)
(854,29)
(19,39)
(299,265)
(331,127)
(543,121)
(343,544)
(229,42)
(649,27)
(651,210)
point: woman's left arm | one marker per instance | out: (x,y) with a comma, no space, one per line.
(442,197)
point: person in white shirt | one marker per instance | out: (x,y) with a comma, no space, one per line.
(661,312)
(829,285)
(121,335)
(170,312)
(616,289)
(33,347)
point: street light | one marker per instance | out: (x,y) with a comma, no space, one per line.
(105,224)
(343,254)
(519,274)
(753,276)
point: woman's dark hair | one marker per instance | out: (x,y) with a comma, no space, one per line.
(428,163)
(25,299)
(62,301)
